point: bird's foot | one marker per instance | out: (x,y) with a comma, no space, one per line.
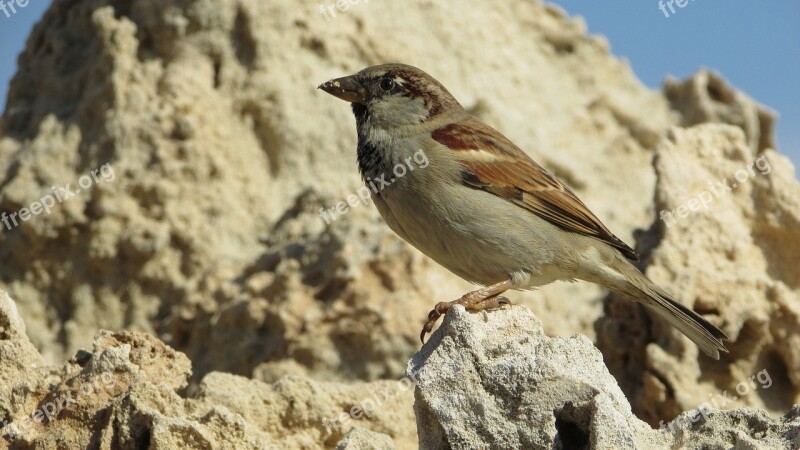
(473,301)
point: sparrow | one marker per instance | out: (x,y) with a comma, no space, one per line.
(482,208)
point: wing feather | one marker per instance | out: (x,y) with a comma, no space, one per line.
(494,164)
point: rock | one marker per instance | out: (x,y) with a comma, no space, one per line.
(743,428)
(23,367)
(12,328)
(727,245)
(495,380)
(129,392)
(706,97)
(362,439)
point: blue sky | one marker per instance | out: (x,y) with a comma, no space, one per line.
(754,44)
(14,31)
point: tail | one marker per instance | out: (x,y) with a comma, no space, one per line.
(707,336)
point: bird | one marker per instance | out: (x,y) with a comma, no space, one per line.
(481,207)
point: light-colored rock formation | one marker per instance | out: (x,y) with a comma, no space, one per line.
(495,380)
(129,392)
(204,228)
(362,439)
(728,246)
(707,98)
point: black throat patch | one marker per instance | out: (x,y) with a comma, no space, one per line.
(371,162)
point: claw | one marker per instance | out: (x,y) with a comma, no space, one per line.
(437,311)
(433,316)
(425,331)
(486,298)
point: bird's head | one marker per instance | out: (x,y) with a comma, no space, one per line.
(393,95)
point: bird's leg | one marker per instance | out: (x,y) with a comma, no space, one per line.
(484,298)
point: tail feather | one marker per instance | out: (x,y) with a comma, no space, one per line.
(708,337)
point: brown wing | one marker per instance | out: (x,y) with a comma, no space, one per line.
(494,164)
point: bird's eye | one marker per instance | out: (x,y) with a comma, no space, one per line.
(387,84)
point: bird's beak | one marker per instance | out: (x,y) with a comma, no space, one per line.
(346,88)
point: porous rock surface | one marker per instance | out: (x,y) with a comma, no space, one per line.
(728,246)
(208,235)
(495,380)
(129,392)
